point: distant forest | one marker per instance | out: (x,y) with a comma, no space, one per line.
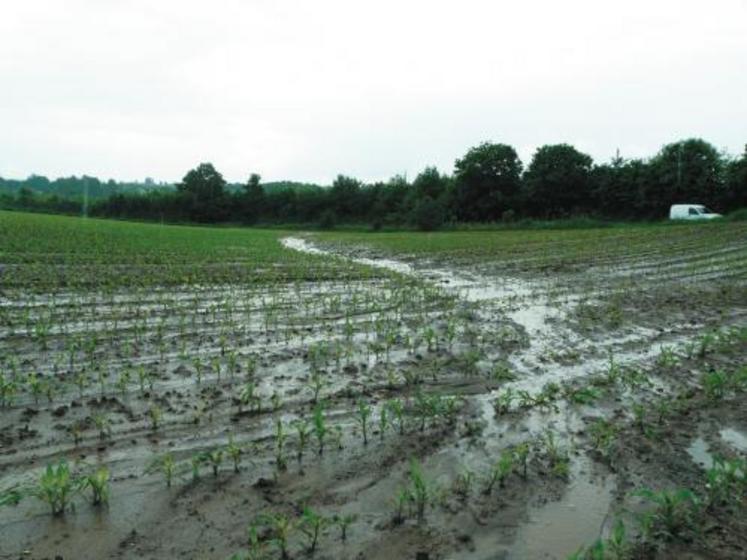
(488,184)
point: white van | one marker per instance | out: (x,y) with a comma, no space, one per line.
(691,212)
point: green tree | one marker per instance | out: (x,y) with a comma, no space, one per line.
(344,197)
(430,183)
(689,171)
(557,182)
(253,199)
(488,179)
(203,193)
(735,195)
(617,188)
(429,214)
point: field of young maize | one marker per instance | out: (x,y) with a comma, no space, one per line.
(185,392)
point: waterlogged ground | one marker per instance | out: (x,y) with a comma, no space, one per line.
(535,394)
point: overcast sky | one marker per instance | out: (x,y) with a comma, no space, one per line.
(306,90)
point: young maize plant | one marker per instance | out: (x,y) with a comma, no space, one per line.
(344,522)
(257,548)
(35,385)
(675,512)
(312,524)
(8,390)
(98,482)
(196,462)
(316,385)
(234,452)
(502,403)
(337,435)
(421,490)
(364,413)
(500,471)
(603,433)
(615,547)
(215,458)
(155,414)
(103,425)
(464,483)
(726,482)
(320,427)
(143,377)
(401,500)
(281,528)
(383,421)
(280,437)
(11,497)
(165,465)
(303,430)
(76,429)
(397,409)
(556,455)
(521,457)
(57,486)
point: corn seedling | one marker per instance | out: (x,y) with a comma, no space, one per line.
(556,455)
(303,430)
(155,414)
(500,472)
(103,425)
(383,421)
(502,373)
(8,390)
(614,548)
(312,524)
(364,413)
(215,458)
(57,486)
(502,403)
(164,464)
(397,409)
(421,489)
(401,500)
(234,452)
(603,433)
(464,483)
(344,522)
(247,397)
(195,462)
(715,384)
(521,457)
(320,427)
(98,482)
(280,437)
(76,430)
(726,481)
(281,527)
(11,496)
(316,385)
(666,359)
(674,512)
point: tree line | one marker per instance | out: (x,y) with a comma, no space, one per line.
(488,184)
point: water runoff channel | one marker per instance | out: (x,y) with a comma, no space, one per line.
(552,530)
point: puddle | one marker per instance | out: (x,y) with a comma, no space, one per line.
(735,438)
(558,529)
(533,317)
(699,453)
(303,246)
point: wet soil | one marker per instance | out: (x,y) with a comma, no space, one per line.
(471,333)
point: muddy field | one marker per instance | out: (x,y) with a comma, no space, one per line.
(441,406)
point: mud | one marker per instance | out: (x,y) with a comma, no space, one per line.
(427,329)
